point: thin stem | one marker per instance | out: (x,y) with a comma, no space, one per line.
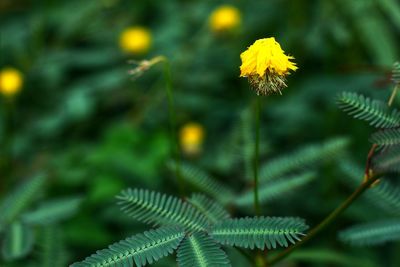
(171,110)
(256,158)
(328,220)
(393,95)
(6,159)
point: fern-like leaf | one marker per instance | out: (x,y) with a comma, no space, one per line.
(140,249)
(19,200)
(17,242)
(259,232)
(52,250)
(374,233)
(307,156)
(52,211)
(384,195)
(203,181)
(275,189)
(373,111)
(396,73)
(199,250)
(211,209)
(388,160)
(387,137)
(159,209)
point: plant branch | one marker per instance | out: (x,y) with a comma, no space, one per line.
(328,220)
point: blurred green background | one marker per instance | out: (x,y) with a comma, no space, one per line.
(92,129)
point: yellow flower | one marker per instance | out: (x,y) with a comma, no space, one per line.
(135,40)
(225,18)
(191,138)
(11,81)
(266,66)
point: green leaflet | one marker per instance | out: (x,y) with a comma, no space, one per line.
(159,209)
(374,233)
(275,189)
(211,209)
(388,160)
(306,156)
(52,211)
(140,249)
(52,252)
(203,181)
(17,242)
(373,111)
(259,232)
(18,200)
(386,137)
(199,250)
(385,195)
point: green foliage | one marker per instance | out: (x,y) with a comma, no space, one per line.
(396,70)
(374,233)
(203,181)
(199,250)
(373,111)
(201,222)
(384,195)
(17,242)
(302,158)
(258,232)
(159,209)
(388,160)
(211,209)
(275,189)
(386,137)
(140,249)
(18,200)
(52,211)
(52,251)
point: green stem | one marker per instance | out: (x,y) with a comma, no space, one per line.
(328,220)
(171,111)
(6,159)
(257,156)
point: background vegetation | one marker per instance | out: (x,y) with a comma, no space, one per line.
(81,129)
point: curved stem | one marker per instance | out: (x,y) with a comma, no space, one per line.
(256,158)
(328,220)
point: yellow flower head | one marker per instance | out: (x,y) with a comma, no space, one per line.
(266,66)
(11,81)
(191,138)
(225,18)
(135,40)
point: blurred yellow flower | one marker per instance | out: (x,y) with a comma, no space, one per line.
(266,66)
(135,40)
(191,138)
(225,18)
(11,81)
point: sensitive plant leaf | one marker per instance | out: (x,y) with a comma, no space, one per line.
(199,250)
(375,112)
(388,160)
(275,189)
(18,200)
(387,137)
(374,233)
(211,209)
(203,181)
(307,156)
(52,252)
(384,195)
(260,232)
(159,209)
(140,249)
(52,211)
(17,242)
